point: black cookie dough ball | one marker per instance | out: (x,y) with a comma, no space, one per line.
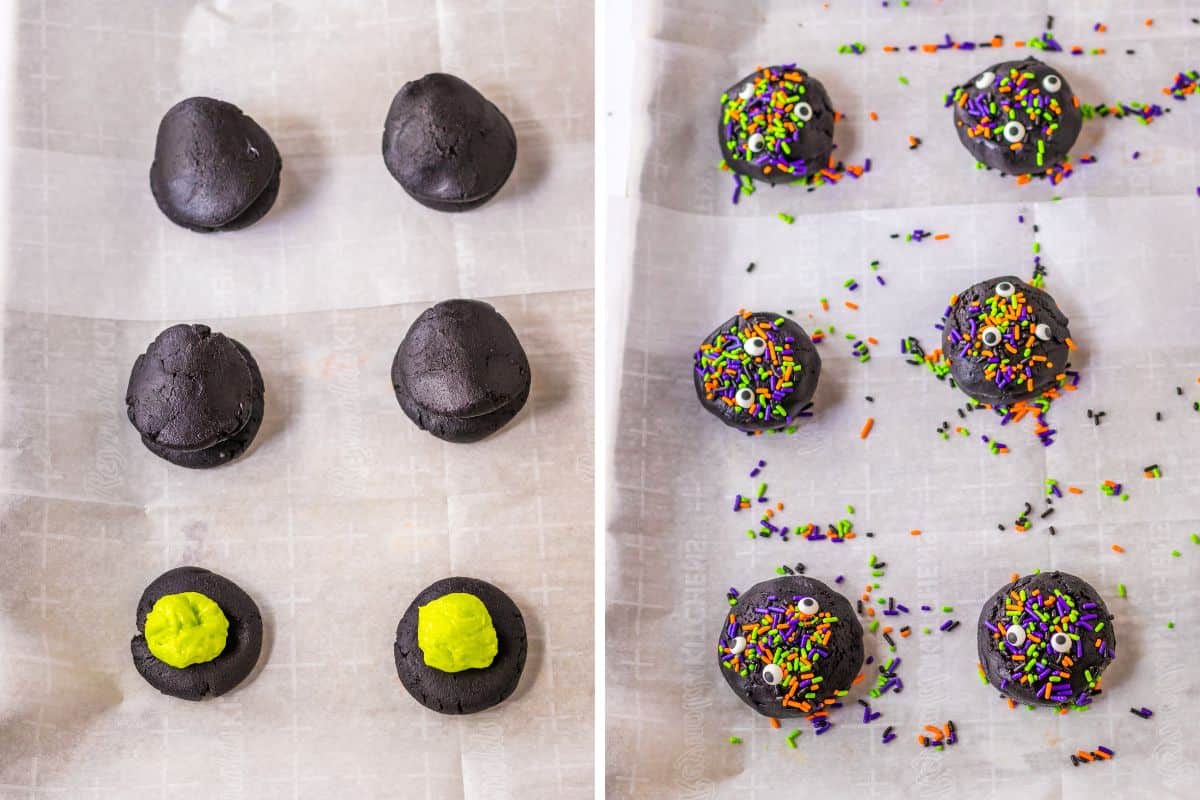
(461,372)
(1006,341)
(757,371)
(775,142)
(470,690)
(214,169)
(1056,622)
(210,678)
(780,631)
(196,397)
(448,146)
(1035,121)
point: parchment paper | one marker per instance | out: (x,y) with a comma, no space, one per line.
(1121,249)
(342,510)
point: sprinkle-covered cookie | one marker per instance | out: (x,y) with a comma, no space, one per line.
(757,371)
(776,125)
(1045,639)
(1006,340)
(1019,117)
(790,646)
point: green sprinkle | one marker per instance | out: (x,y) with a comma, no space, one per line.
(1120,590)
(1170,624)
(947,609)
(849,509)
(1176,554)
(904,80)
(791,738)
(1196,538)
(788,218)
(734,740)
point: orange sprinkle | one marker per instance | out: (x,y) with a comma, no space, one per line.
(1019,43)
(873,340)
(874,117)
(1118,549)
(774,722)
(914,532)
(1149,22)
(1074,490)
(941,236)
(866,428)
(824,305)
(851,306)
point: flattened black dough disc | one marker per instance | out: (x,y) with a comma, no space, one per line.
(214,167)
(471,690)
(448,146)
(838,666)
(461,372)
(211,678)
(1000,669)
(196,397)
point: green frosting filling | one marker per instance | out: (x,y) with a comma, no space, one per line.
(455,632)
(185,629)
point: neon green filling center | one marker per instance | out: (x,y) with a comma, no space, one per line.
(455,633)
(185,629)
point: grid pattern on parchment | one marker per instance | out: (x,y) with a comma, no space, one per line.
(342,511)
(1122,256)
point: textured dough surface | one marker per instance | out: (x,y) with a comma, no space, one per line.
(446,144)
(460,372)
(242,647)
(470,690)
(214,167)
(196,397)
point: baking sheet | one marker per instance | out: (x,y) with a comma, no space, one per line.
(342,511)
(1121,249)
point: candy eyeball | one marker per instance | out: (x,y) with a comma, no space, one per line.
(756,143)
(1005,288)
(991,336)
(1060,642)
(755,346)
(808,605)
(803,111)
(1042,331)
(772,674)
(1014,131)
(744,397)
(738,645)
(1051,83)
(1015,635)
(747,91)
(985,80)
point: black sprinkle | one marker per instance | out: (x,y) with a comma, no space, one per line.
(1074,760)
(1179,391)
(888,638)
(800,568)
(1158,416)
(751,267)
(864,703)
(870,399)
(1047,512)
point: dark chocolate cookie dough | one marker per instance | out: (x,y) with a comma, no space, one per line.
(461,372)
(446,144)
(471,689)
(1006,341)
(196,397)
(215,169)
(757,371)
(242,647)
(1019,117)
(780,636)
(1045,639)
(776,125)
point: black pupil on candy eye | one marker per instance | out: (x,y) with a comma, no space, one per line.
(1012,637)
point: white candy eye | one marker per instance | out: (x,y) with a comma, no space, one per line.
(1060,642)
(1014,131)
(1051,83)
(755,346)
(773,674)
(1004,288)
(808,605)
(739,644)
(991,336)
(1042,331)
(756,143)
(747,91)
(1015,635)
(985,80)
(803,112)
(744,397)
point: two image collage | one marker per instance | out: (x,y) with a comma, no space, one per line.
(599,399)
